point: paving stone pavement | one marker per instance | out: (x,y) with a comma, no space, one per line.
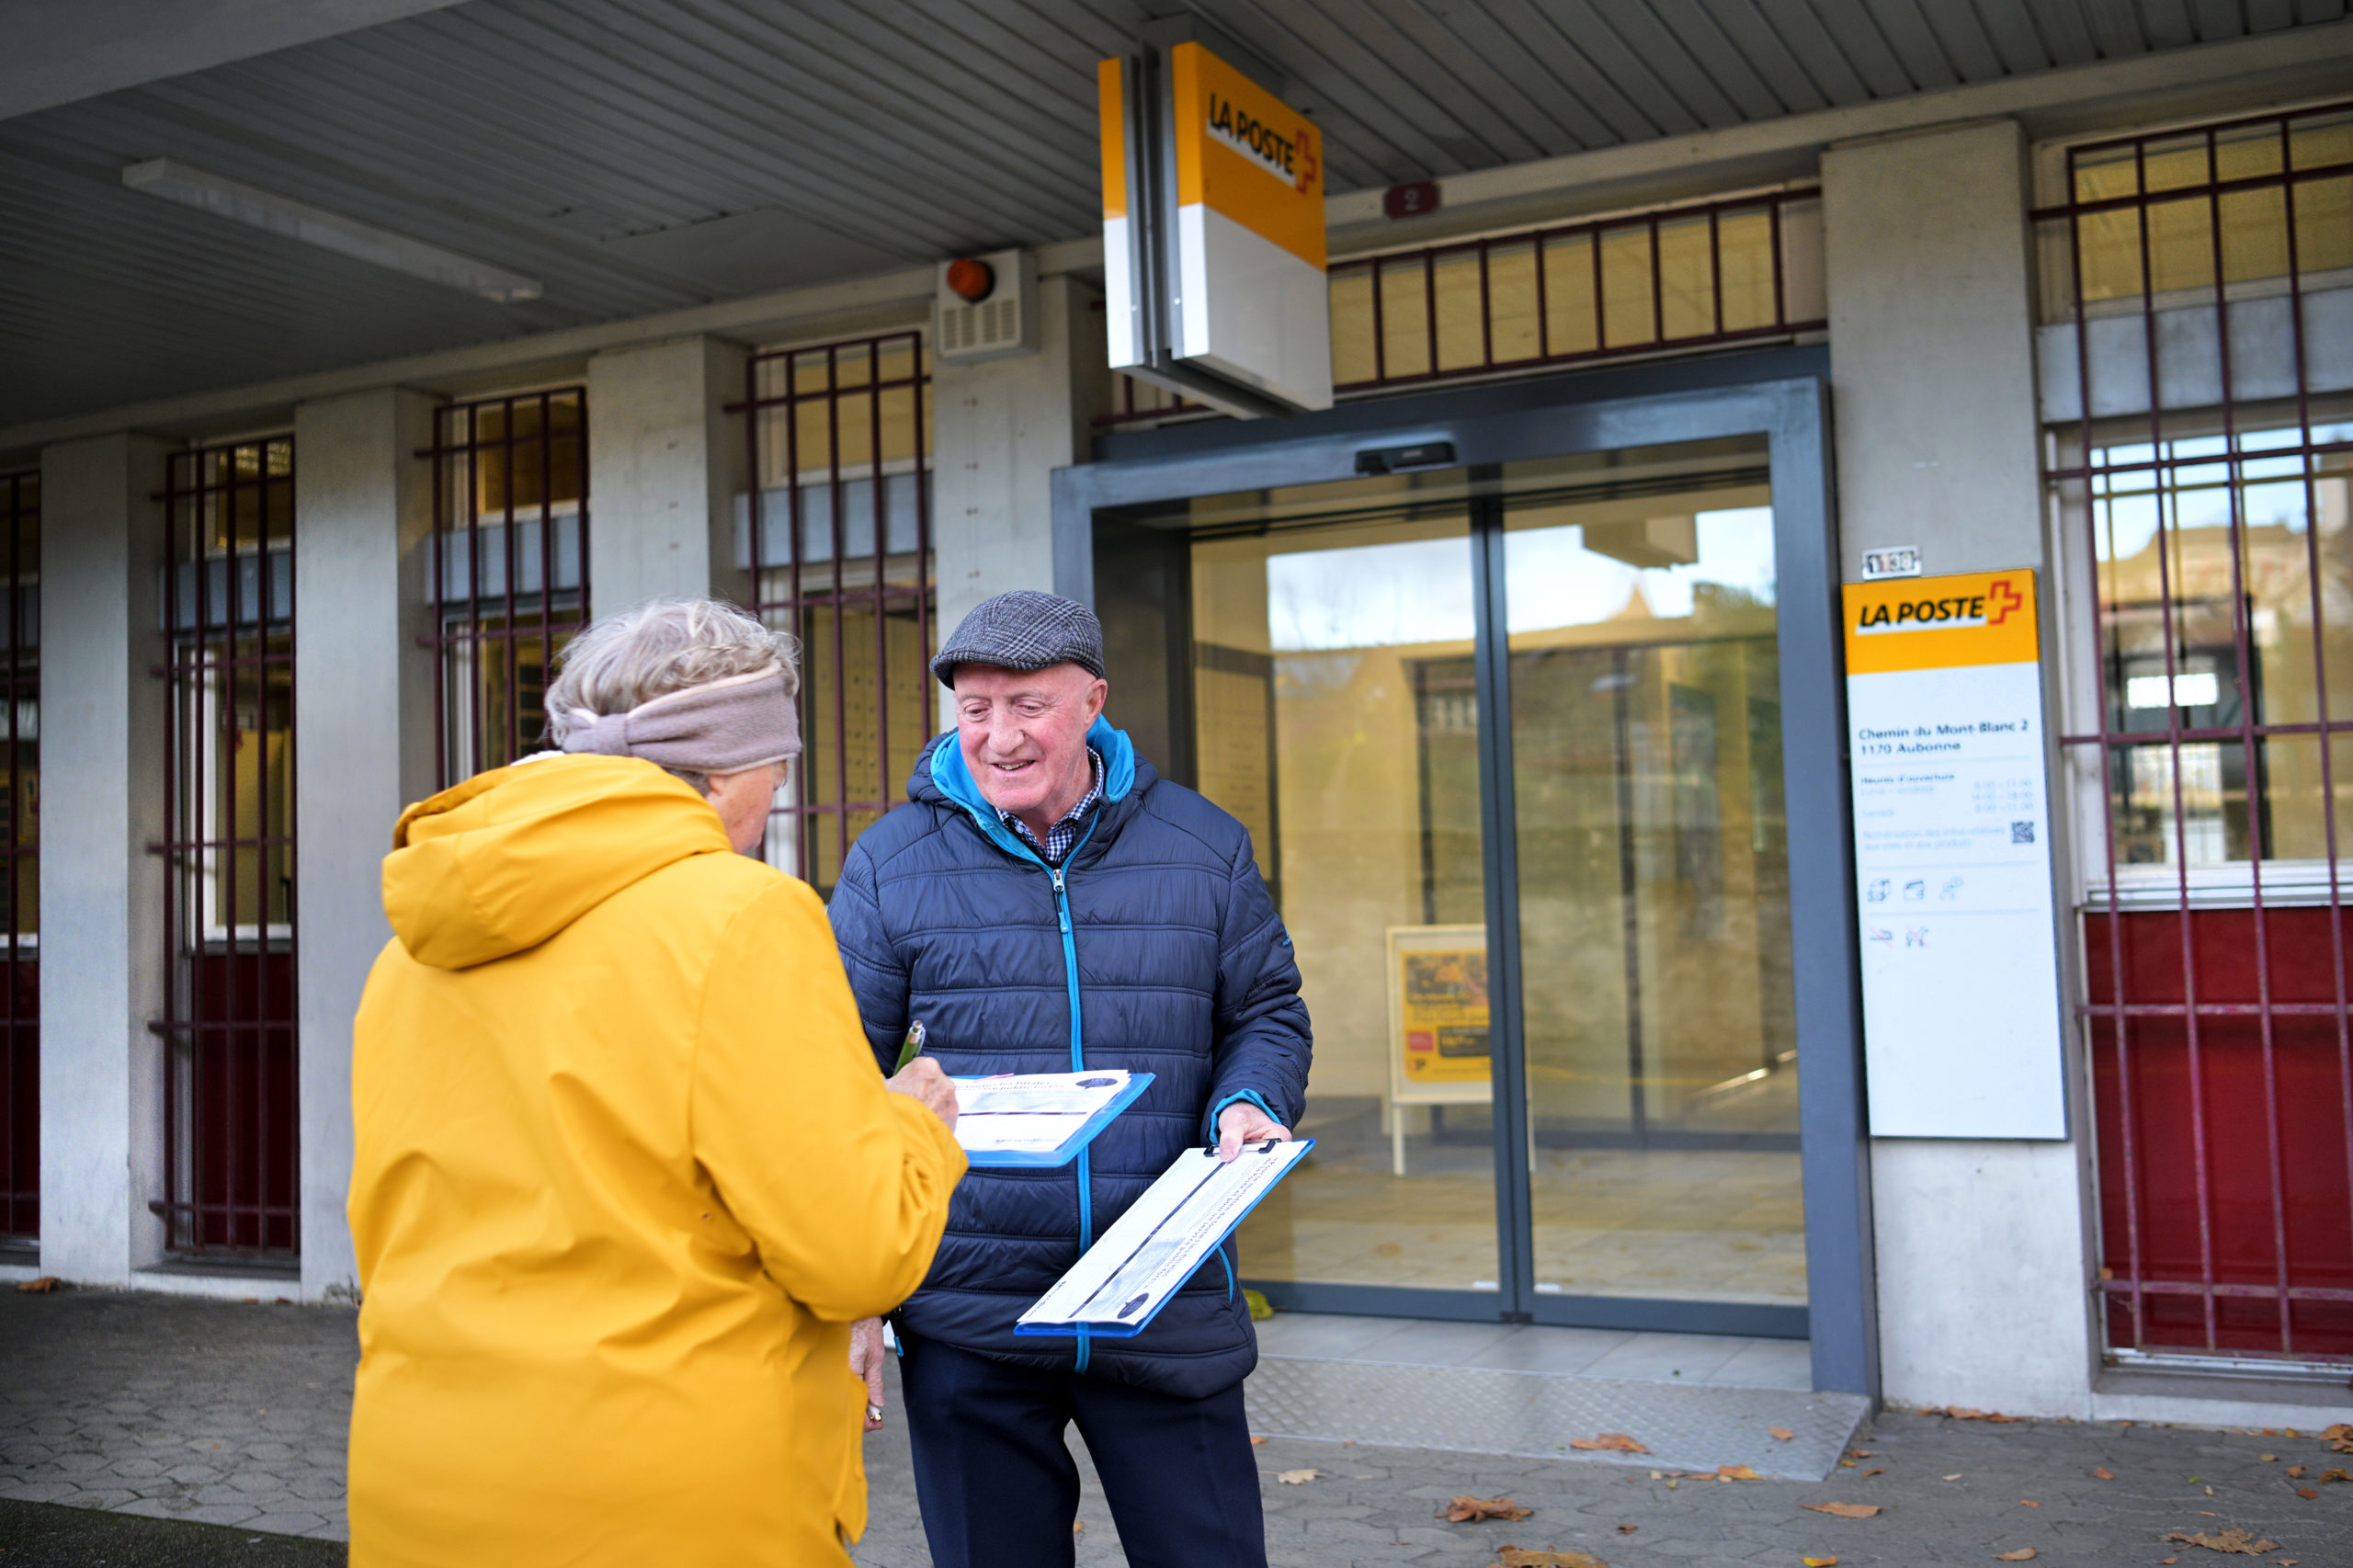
(234,1414)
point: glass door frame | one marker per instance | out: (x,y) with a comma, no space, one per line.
(1781,395)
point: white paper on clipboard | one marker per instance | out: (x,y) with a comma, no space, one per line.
(1140,1261)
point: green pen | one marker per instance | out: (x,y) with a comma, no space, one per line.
(912,1047)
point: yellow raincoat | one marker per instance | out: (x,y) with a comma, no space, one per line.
(624,1174)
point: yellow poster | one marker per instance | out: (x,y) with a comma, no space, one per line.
(1443,1014)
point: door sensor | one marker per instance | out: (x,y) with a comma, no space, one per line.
(1389,459)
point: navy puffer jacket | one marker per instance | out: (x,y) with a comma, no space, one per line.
(1176,964)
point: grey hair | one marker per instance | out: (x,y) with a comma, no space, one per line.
(629,658)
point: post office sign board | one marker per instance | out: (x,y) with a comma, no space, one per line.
(1952,859)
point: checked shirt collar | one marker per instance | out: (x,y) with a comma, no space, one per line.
(1063,834)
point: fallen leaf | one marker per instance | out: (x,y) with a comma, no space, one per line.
(1819,1562)
(1616,1442)
(2332,1474)
(1078,1527)
(2233,1539)
(1859,1454)
(2023,1554)
(1779,1433)
(45,1285)
(1628,1529)
(2295,1472)
(2024,1503)
(2164,1561)
(1470,1510)
(1254,1442)
(2269,1459)
(1737,1473)
(1875,1470)
(2103,1474)
(1297,1477)
(1953,1478)
(2342,1429)
(1844,1510)
(1849,1463)
(2308,1493)
(1516,1557)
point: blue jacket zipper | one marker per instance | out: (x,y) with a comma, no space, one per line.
(1077,1056)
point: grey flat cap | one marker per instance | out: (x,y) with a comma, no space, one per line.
(1024,630)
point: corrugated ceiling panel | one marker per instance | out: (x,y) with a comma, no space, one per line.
(639,155)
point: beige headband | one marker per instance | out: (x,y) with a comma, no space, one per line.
(724,727)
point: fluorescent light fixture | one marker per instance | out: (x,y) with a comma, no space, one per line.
(2200,688)
(346,236)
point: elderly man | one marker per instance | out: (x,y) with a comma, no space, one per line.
(623,1177)
(1049,904)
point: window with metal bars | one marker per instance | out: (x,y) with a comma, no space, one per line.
(229,1023)
(2197,370)
(838,533)
(1676,279)
(509,568)
(20,849)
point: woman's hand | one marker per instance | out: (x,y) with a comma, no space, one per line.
(922,1080)
(865,1353)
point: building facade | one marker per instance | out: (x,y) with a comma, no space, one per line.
(1523,664)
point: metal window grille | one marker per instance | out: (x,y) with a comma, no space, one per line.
(1675,280)
(229,1022)
(20,849)
(840,543)
(510,497)
(2199,450)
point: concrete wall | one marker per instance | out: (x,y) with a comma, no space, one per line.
(999,431)
(1984,1248)
(363,720)
(101,890)
(665,464)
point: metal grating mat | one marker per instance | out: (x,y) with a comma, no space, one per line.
(1534,1414)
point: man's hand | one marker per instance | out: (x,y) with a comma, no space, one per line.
(865,1354)
(1243,1122)
(922,1080)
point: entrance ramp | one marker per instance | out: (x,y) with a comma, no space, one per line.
(1695,1401)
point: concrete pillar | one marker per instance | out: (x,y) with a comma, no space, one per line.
(1000,430)
(1984,1249)
(666,464)
(363,725)
(103,732)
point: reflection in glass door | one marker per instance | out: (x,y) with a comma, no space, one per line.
(1657,1017)
(1508,742)
(1319,722)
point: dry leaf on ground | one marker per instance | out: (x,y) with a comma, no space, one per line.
(1517,1557)
(2023,1554)
(2332,1475)
(1256,1441)
(1876,1469)
(1616,1442)
(1819,1562)
(2103,1474)
(42,1286)
(1844,1510)
(2342,1429)
(1737,1473)
(2233,1539)
(1963,1412)
(2307,1492)
(1470,1510)
(2295,1472)
(1628,1529)
(1779,1433)
(1297,1477)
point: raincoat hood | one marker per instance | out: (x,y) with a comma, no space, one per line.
(507,860)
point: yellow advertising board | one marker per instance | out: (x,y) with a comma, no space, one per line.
(1930,623)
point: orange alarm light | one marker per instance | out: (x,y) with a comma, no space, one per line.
(971,281)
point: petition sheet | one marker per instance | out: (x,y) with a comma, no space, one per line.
(1031,1113)
(1162,1239)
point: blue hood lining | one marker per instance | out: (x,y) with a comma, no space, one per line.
(955,781)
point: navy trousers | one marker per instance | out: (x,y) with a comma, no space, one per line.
(998,1488)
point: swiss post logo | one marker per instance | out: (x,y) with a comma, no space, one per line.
(1287,152)
(1918,623)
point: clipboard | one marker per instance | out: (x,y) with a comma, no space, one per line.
(1120,1286)
(1037,1120)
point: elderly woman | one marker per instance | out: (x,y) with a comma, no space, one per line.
(624,1173)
